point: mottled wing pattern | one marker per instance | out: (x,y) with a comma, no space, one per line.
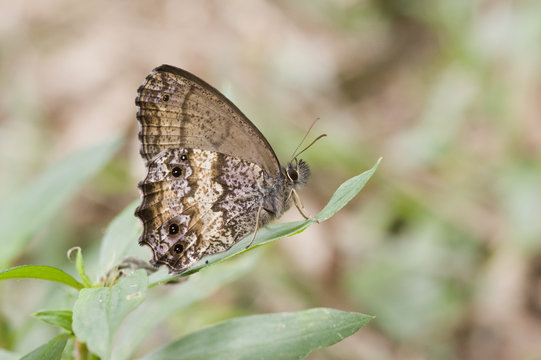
(177,109)
(197,203)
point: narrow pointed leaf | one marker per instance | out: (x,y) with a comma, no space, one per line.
(60,318)
(40,272)
(279,336)
(345,192)
(49,351)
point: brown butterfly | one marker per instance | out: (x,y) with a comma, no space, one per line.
(212,177)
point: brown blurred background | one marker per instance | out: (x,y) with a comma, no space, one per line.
(443,245)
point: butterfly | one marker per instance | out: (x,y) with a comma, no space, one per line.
(212,176)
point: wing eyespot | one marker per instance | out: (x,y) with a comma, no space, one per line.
(165,98)
(173,229)
(178,248)
(176,172)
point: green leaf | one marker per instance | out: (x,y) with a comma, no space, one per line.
(60,318)
(24,213)
(120,239)
(98,312)
(151,313)
(266,235)
(347,191)
(49,351)
(80,266)
(40,272)
(270,336)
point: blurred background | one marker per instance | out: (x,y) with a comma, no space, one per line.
(444,243)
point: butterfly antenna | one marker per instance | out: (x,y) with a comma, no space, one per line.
(304,138)
(312,143)
(295,154)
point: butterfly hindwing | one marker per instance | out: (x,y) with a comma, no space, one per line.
(197,203)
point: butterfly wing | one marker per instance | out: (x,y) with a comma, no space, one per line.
(177,109)
(197,203)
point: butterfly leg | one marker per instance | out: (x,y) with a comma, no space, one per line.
(300,206)
(127,266)
(256,226)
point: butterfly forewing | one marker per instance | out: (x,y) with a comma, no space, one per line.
(177,109)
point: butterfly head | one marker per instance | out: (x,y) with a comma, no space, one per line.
(297,172)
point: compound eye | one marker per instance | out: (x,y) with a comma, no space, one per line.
(293,174)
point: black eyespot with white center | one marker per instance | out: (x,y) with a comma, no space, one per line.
(178,248)
(183,157)
(165,98)
(173,229)
(176,172)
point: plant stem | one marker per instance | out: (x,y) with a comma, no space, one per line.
(82,352)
